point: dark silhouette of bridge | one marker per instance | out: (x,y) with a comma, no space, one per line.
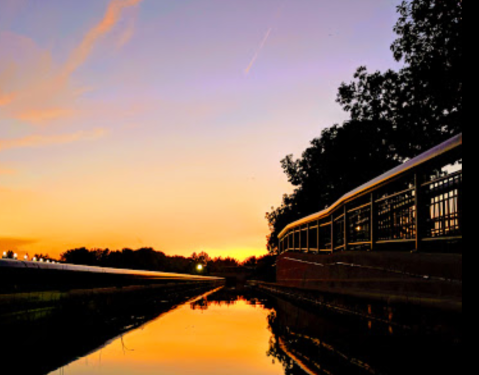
(397,239)
(417,206)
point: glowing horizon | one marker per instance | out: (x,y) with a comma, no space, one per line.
(140,123)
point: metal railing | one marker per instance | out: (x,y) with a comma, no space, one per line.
(408,207)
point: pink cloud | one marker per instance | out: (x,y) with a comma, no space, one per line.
(109,21)
(33,88)
(42,140)
(40,116)
(6,171)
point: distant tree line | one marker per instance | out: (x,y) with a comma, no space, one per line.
(149,259)
(394,116)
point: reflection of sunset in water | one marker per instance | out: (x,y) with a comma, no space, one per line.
(224,339)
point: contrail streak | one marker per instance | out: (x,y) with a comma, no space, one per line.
(255,57)
(265,39)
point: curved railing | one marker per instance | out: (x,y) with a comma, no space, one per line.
(409,206)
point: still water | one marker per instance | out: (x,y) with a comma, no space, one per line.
(209,336)
(243,332)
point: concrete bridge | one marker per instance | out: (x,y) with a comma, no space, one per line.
(397,239)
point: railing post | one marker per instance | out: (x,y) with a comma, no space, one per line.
(420,217)
(319,237)
(374,223)
(307,237)
(346,228)
(332,234)
(299,238)
(460,208)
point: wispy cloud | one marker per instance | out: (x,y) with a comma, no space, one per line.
(28,91)
(6,171)
(41,116)
(35,89)
(6,99)
(127,33)
(42,140)
(109,21)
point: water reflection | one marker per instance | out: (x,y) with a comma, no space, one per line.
(329,343)
(225,333)
(237,331)
(42,340)
(227,297)
(306,340)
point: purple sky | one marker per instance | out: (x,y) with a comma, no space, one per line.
(128,123)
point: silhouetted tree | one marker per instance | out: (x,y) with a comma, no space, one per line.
(152,260)
(343,158)
(394,115)
(148,259)
(424,99)
(201,258)
(81,256)
(45,257)
(179,264)
(251,262)
(220,264)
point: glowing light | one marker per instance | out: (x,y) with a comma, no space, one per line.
(200,267)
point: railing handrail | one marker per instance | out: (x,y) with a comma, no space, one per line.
(435,152)
(26,265)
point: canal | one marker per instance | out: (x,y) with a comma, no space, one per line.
(217,334)
(239,331)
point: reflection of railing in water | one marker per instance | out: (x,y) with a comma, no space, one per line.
(325,342)
(408,206)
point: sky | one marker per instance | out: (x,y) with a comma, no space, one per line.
(160,123)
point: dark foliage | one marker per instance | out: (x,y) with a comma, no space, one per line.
(10,254)
(343,158)
(394,115)
(424,99)
(151,260)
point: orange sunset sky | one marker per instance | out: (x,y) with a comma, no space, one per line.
(132,123)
